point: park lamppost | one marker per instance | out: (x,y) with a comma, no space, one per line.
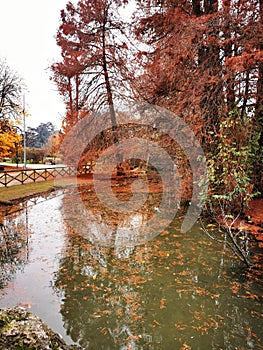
(23,132)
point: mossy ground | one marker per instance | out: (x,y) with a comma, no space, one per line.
(21,330)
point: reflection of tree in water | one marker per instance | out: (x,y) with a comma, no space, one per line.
(14,236)
(13,247)
(102,304)
(172,292)
(87,216)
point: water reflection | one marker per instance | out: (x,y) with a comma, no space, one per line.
(104,226)
(14,236)
(31,282)
(170,294)
(176,291)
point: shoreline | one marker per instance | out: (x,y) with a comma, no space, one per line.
(252,221)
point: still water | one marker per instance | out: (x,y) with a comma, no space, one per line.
(175,291)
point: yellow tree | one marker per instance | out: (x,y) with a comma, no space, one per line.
(10,110)
(10,143)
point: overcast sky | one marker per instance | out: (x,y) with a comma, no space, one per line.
(27,31)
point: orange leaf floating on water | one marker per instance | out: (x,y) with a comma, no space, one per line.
(197,316)
(156,322)
(185,347)
(119,312)
(104,331)
(180,326)
(162,303)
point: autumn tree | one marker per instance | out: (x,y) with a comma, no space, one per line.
(52,145)
(10,143)
(200,56)
(93,51)
(10,110)
(259,106)
(10,96)
(203,60)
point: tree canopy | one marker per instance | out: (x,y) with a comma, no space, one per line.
(93,50)
(10,110)
(10,96)
(202,60)
(38,137)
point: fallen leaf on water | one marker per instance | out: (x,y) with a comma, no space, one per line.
(180,326)
(104,331)
(185,347)
(162,303)
(156,322)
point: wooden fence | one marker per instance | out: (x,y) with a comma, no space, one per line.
(16,177)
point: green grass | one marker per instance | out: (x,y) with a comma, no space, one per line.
(12,193)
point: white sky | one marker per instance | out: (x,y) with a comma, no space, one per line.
(27,42)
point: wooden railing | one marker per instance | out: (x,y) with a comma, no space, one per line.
(16,177)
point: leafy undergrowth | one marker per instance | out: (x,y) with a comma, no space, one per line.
(254,219)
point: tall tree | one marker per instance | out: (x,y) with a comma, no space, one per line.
(39,136)
(259,105)
(203,58)
(93,52)
(10,96)
(10,110)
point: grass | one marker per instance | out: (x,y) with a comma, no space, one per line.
(13,193)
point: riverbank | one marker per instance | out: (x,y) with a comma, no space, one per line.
(20,329)
(252,221)
(13,194)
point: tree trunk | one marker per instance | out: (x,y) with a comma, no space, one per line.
(119,157)
(196,7)
(77,97)
(228,51)
(106,74)
(210,66)
(70,97)
(259,110)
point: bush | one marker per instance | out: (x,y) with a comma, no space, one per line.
(232,162)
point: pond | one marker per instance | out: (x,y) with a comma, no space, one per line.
(173,291)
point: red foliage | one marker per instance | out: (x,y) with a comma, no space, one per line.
(204,59)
